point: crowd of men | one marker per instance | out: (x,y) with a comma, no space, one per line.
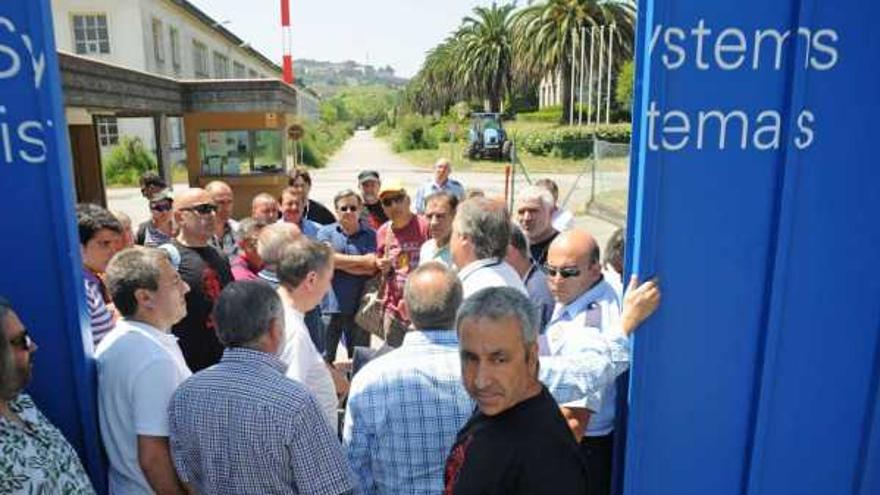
(216,345)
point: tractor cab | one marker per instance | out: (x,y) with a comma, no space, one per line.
(486,137)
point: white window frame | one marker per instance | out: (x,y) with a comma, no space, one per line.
(107,130)
(252,74)
(158,41)
(200,64)
(94,41)
(238,70)
(174,39)
(221,65)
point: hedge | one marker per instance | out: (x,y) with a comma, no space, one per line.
(571,142)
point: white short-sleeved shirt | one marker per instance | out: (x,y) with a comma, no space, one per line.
(485,273)
(139,368)
(306,365)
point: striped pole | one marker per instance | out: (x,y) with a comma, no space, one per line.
(287,42)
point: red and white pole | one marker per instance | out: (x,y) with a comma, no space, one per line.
(287,41)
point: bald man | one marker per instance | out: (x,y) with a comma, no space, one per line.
(440,182)
(587,314)
(225,236)
(270,244)
(205,270)
(264,208)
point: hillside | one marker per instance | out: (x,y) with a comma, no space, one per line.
(328,77)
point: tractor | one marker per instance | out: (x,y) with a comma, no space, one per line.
(486,137)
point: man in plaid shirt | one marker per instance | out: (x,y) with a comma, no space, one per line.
(242,426)
(405,409)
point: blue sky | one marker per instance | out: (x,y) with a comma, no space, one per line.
(390,32)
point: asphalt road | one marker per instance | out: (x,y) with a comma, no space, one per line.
(364,151)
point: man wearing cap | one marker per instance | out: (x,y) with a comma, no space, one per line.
(441,182)
(398,243)
(372,213)
(159,229)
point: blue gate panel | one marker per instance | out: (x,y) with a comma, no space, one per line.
(42,275)
(759,373)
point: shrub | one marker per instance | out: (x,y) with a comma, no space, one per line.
(126,161)
(414,132)
(322,139)
(572,142)
(547,114)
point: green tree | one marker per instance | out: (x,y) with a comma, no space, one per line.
(547,34)
(126,161)
(623,93)
(485,46)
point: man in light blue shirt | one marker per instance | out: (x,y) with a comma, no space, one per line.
(587,316)
(441,182)
(405,408)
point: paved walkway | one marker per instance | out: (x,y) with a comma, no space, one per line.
(365,151)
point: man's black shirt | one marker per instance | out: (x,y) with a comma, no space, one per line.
(319,213)
(539,249)
(527,450)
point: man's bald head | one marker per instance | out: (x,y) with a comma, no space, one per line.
(264,207)
(573,251)
(432,295)
(218,186)
(191,197)
(273,239)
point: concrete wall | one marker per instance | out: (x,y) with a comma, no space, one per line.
(126,46)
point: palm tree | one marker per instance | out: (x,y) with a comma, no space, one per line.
(485,48)
(548,33)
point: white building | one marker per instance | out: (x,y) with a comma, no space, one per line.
(173,38)
(550,90)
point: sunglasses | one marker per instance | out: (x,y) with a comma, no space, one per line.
(566,272)
(22,342)
(347,208)
(160,206)
(390,201)
(202,209)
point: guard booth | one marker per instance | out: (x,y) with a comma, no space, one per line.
(754,197)
(250,151)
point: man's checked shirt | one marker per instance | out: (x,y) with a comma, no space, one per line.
(405,409)
(241,426)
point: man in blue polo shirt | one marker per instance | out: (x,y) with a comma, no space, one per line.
(355,262)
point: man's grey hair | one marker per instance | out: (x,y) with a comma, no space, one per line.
(486,223)
(273,239)
(132,269)
(519,241)
(346,193)
(245,312)
(535,193)
(8,387)
(433,309)
(248,226)
(496,303)
(301,258)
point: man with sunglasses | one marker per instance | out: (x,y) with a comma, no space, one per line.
(398,245)
(205,270)
(34,456)
(159,229)
(588,313)
(354,262)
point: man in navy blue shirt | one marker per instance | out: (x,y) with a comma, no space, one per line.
(355,262)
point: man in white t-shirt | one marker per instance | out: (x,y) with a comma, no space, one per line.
(305,271)
(140,366)
(439,212)
(480,234)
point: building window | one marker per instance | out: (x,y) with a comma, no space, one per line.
(108,131)
(90,35)
(174,37)
(252,74)
(238,70)
(158,42)
(200,60)
(221,66)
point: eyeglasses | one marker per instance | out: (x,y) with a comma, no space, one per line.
(348,208)
(202,209)
(160,206)
(566,272)
(23,341)
(390,201)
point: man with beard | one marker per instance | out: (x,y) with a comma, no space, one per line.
(140,365)
(373,213)
(264,208)
(43,460)
(534,211)
(205,270)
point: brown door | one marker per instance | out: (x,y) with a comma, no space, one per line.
(87,173)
